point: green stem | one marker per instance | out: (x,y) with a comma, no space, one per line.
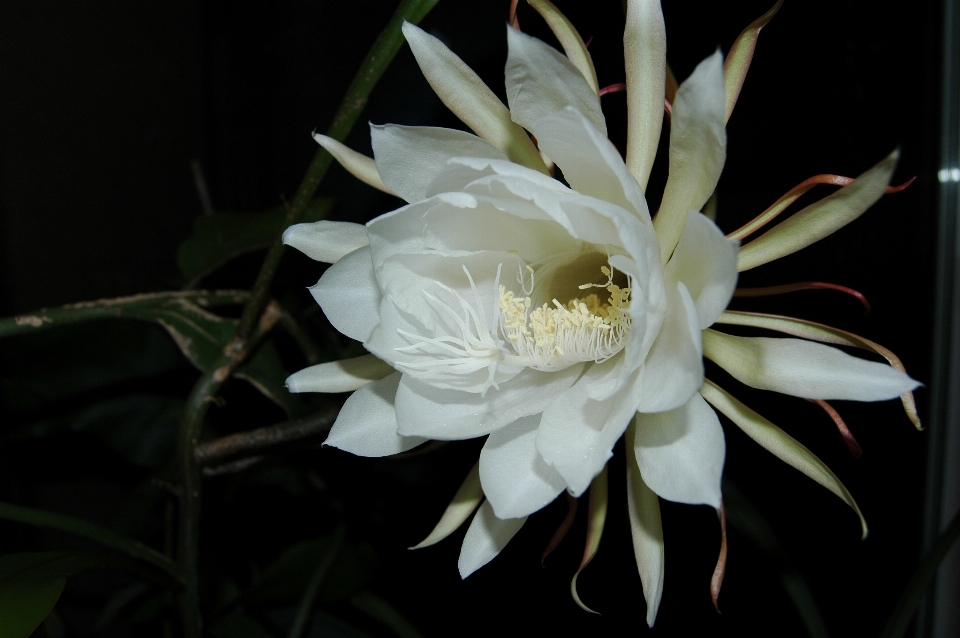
(256,441)
(920,582)
(102,535)
(114,308)
(309,598)
(376,62)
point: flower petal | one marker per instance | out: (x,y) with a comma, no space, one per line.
(357,164)
(515,478)
(645,55)
(464,502)
(346,375)
(821,218)
(486,537)
(706,262)
(646,529)
(779,443)
(673,369)
(681,452)
(409,157)
(590,163)
(326,241)
(577,433)
(349,296)
(367,423)
(470,99)
(698,149)
(803,368)
(444,414)
(569,39)
(541,81)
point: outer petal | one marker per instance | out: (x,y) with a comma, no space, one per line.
(698,148)
(569,39)
(541,81)
(515,478)
(346,375)
(803,368)
(357,164)
(367,424)
(486,537)
(326,241)
(673,369)
(590,163)
(577,434)
(470,99)
(349,295)
(451,414)
(821,218)
(706,262)
(409,157)
(645,55)
(681,452)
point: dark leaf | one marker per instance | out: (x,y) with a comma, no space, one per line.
(218,238)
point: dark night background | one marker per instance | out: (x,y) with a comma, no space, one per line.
(104,104)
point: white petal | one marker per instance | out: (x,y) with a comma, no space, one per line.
(646,528)
(346,375)
(486,537)
(326,241)
(673,370)
(357,164)
(706,262)
(451,414)
(698,148)
(515,478)
(803,368)
(680,453)
(645,57)
(367,424)
(349,295)
(590,163)
(409,157)
(541,81)
(470,99)
(577,434)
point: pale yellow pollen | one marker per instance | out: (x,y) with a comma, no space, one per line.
(591,327)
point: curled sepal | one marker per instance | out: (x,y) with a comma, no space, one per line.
(569,39)
(357,164)
(563,529)
(470,99)
(646,529)
(821,218)
(824,334)
(741,53)
(464,502)
(716,581)
(645,57)
(596,518)
(779,443)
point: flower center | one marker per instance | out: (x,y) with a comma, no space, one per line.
(554,336)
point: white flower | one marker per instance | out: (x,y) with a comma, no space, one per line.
(502,302)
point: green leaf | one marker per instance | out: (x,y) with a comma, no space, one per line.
(24,607)
(220,237)
(284,581)
(237,624)
(102,535)
(30,585)
(386,614)
(141,428)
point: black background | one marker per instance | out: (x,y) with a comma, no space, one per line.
(105,103)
